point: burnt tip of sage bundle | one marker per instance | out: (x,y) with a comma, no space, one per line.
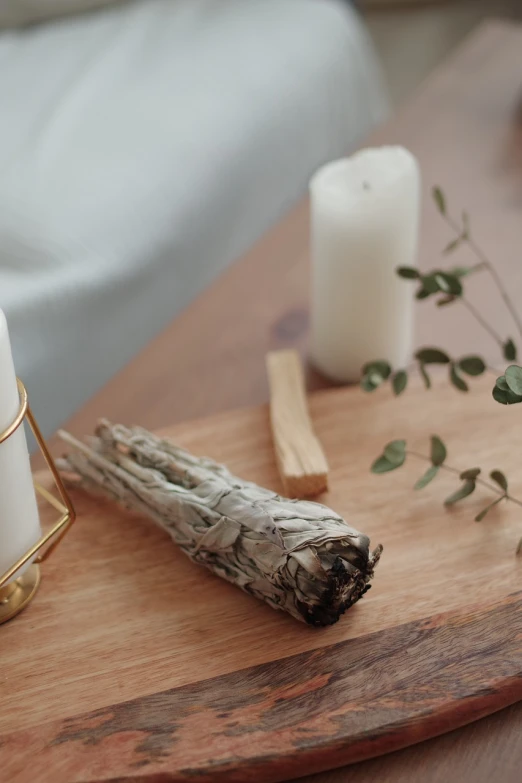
(295,555)
(345,586)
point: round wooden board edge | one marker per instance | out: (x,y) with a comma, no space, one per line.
(306,713)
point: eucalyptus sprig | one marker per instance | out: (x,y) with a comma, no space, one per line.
(463,235)
(396,452)
(448,285)
(437,281)
(508,387)
(375,373)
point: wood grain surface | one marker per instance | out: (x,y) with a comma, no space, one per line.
(465,126)
(106,675)
(303,713)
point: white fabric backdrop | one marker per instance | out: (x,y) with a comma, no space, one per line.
(143,148)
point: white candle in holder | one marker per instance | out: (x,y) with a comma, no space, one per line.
(19,521)
(364,224)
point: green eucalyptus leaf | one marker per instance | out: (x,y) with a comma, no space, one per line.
(438,450)
(503,394)
(395,452)
(501,383)
(513,377)
(472,365)
(379,368)
(460,271)
(382,465)
(428,286)
(499,395)
(425,376)
(432,356)
(449,284)
(462,492)
(371,382)
(483,513)
(399,382)
(427,477)
(446,300)
(367,384)
(486,510)
(430,283)
(453,245)
(376,379)
(408,272)
(512,398)
(500,479)
(510,351)
(439,199)
(456,380)
(453,284)
(470,473)
(506,397)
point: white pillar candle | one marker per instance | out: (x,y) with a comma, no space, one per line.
(19,521)
(364,224)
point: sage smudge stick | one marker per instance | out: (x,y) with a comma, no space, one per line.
(296,555)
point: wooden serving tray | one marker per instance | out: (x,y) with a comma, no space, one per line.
(135,664)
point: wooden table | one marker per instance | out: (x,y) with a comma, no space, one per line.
(465,125)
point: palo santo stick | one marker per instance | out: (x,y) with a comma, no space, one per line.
(300,457)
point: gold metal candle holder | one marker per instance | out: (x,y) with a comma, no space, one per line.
(15,594)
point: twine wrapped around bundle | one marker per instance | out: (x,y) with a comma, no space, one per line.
(296,555)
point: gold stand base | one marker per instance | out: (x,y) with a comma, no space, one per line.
(16,595)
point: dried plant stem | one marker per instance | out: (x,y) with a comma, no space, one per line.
(482,321)
(482,482)
(485,263)
(509,304)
